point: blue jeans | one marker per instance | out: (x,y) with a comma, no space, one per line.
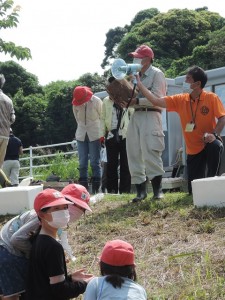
(89,150)
(13,273)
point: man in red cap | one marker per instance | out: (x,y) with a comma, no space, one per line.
(87,110)
(145,137)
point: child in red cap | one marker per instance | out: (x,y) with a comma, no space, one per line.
(117,268)
(16,236)
(47,274)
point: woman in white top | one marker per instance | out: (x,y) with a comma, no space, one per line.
(87,110)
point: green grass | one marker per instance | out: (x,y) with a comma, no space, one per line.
(179,248)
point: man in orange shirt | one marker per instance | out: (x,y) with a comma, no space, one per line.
(198,111)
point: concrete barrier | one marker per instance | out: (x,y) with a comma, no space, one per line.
(209,191)
(14,200)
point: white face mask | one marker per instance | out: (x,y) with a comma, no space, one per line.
(75,213)
(187,88)
(137,61)
(60,218)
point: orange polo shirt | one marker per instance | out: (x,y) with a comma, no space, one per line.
(207,109)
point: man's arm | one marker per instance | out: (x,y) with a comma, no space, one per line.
(12,115)
(20,150)
(220,125)
(212,136)
(149,96)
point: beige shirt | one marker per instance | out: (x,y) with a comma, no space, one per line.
(155,81)
(88,117)
(7,115)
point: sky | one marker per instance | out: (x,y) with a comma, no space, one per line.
(66,38)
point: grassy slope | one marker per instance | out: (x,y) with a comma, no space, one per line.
(179,249)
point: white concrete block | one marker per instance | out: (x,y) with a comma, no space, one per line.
(14,200)
(209,191)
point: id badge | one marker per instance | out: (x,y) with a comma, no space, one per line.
(189,127)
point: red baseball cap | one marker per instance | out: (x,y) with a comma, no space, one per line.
(49,198)
(78,194)
(142,51)
(81,95)
(118,253)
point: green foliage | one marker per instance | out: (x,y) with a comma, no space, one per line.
(9,19)
(60,122)
(179,38)
(216,46)
(30,118)
(65,168)
(113,38)
(143,15)
(94,81)
(17,78)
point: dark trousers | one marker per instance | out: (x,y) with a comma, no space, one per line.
(205,163)
(104,177)
(117,156)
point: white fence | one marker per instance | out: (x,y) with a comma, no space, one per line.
(32,156)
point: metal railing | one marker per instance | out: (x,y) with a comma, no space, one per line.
(32,156)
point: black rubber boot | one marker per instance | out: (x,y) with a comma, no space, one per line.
(141,192)
(96,183)
(84,182)
(157,187)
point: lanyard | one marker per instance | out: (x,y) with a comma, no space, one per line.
(193,115)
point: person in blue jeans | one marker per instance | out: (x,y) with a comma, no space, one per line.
(87,110)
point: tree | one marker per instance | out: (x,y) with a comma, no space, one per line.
(143,15)
(17,78)
(8,19)
(60,124)
(208,56)
(176,36)
(94,81)
(114,36)
(30,118)
(216,46)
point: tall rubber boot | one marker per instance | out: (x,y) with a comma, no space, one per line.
(157,187)
(84,182)
(96,183)
(141,192)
